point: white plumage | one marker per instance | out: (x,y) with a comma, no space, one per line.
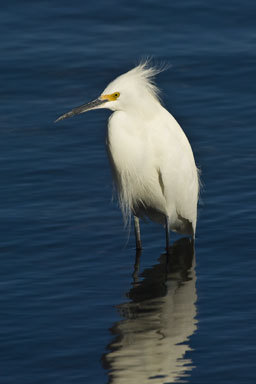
(152,161)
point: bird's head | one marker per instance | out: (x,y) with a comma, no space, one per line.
(132,90)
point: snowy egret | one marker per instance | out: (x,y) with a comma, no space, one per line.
(151,158)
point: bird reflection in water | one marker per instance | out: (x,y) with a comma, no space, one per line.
(152,339)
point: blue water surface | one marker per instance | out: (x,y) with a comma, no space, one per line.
(72,307)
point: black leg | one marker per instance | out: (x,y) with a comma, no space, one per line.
(136,266)
(137,233)
(167,235)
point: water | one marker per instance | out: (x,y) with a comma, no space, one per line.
(72,308)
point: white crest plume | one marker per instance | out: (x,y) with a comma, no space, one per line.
(145,73)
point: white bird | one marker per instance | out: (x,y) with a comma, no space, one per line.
(151,158)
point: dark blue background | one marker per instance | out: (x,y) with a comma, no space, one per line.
(65,263)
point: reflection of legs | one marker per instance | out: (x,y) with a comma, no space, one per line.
(137,232)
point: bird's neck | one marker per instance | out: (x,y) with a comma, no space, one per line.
(144,109)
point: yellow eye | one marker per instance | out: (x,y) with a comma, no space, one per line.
(116,95)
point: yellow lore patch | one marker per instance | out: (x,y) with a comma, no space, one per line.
(114,96)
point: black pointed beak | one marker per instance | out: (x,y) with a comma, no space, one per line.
(83,108)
